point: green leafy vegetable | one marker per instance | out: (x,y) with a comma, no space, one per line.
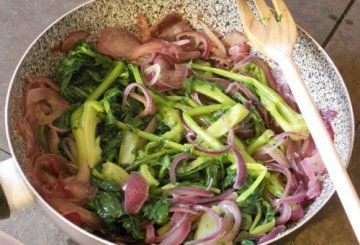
(157,211)
(108,207)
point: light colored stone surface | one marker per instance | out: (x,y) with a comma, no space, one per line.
(344,49)
(317,17)
(31,227)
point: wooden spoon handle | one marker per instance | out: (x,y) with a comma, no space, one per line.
(328,153)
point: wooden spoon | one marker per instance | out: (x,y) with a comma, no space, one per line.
(275,37)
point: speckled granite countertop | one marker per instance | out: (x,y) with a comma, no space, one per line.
(334,24)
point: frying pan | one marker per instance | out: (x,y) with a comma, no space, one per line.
(319,72)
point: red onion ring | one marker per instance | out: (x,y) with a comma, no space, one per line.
(274,153)
(190,191)
(272,234)
(195,97)
(230,143)
(285,214)
(293,134)
(153,70)
(281,169)
(199,38)
(229,194)
(181,224)
(183,208)
(214,40)
(218,230)
(149,105)
(233,209)
(297,213)
(177,159)
(241,171)
(150,233)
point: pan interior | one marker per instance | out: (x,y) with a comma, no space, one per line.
(319,73)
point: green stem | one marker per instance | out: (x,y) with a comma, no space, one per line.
(203,134)
(136,73)
(153,137)
(212,91)
(206,109)
(224,73)
(110,78)
(88,52)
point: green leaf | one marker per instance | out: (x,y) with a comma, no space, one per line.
(157,211)
(131,223)
(108,208)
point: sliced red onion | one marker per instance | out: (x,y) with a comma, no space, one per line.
(117,42)
(183,208)
(171,32)
(179,75)
(241,170)
(281,169)
(230,142)
(181,42)
(190,135)
(239,51)
(150,233)
(234,37)
(290,134)
(136,192)
(240,65)
(199,38)
(166,22)
(297,198)
(195,97)
(297,213)
(285,214)
(214,40)
(230,207)
(235,86)
(182,55)
(150,128)
(154,71)
(219,228)
(66,207)
(180,228)
(308,147)
(308,171)
(149,48)
(74,217)
(190,191)
(314,190)
(179,235)
(274,153)
(149,105)
(272,234)
(223,83)
(316,163)
(229,194)
(177,159)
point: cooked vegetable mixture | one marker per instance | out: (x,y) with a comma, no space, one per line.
(175,137)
